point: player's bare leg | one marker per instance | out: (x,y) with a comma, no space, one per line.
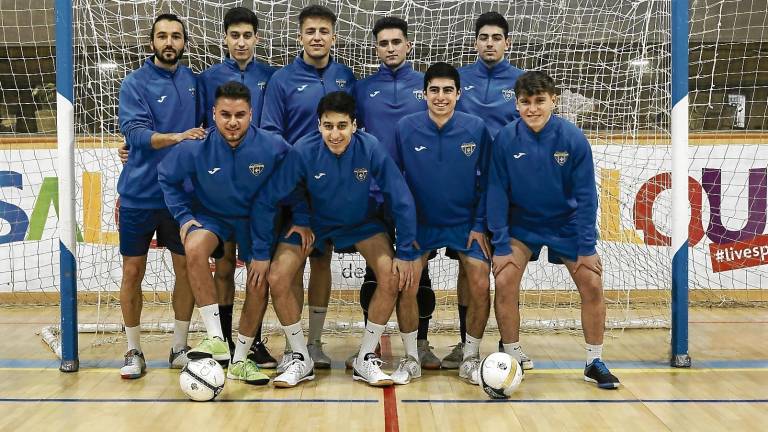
(409,366)
(224,279)
(318,296)
(183,306)
(479,307)
(131,303)
(378,254)
(507,302)
(286,263)
(199,245)
(589,282)
(456,356)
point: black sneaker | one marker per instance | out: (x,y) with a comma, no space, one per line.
(597,372)
(260,355)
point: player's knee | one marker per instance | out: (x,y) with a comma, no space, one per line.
(225,271)
(279,280)
(591,293)
(196,256)
(132,274)
(480,289)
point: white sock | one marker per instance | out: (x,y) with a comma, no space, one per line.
(211,321)
(594,352)
(472,347)
(295,336)
(287,345)
(180,332)
(316,323)
(134,337)
(514,350)
(242,345)
(410,345)
(371,337)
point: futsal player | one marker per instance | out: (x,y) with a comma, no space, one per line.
(336,166)
(542,192)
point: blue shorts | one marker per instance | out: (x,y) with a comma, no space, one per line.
(558,246)
(236,230)
(341,237)
(138,226)
(455,237)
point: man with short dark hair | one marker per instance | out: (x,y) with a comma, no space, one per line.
(241,35)
(488,92)
(394,91)
(228,169)
(336,166)
(289,110)
(156,110)
(444,157)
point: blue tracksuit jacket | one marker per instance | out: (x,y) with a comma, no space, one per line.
(489,93)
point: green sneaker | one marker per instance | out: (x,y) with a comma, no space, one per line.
(246,370)
(211,347)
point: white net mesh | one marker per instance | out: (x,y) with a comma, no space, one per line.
(610,59)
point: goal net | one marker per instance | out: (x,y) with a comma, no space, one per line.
(611,61)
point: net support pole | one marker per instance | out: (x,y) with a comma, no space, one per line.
(65,134)
(680,215)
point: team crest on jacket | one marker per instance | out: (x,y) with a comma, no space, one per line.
(509,94)
(361,174)
(261,85)
(191,91)
(341,83)
(256,168)
(418,94)
(561,157)
(468,148)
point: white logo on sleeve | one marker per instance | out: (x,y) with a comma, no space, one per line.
(374,94)
(318,176)
(162,98)
(519,155)
(468,88)
(302,87)
(213,171)
(419,148)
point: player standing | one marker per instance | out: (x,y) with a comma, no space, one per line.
(241,35)
(542,192)
(488,92)
(394,91)
(289,110)
(156,110)
(444,155)
(336,166)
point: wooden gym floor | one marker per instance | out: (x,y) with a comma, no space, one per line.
(726,389)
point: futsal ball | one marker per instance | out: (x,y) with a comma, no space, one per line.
(202,380)
(500,375)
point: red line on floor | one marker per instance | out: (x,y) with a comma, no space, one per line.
(390,400)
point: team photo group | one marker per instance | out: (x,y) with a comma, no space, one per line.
(280,166)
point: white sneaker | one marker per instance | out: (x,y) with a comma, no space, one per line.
(408,369)
(321,360)
(134,365)
(178,359)
(297,370)
(369,370)
(470,370)
(287,357)
(525,362)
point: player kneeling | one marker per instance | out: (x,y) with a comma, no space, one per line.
(542,192)
(227,169)
(335,167)
(444,156)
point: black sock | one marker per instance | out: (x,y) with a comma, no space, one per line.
(365,318)
(258,335)
(225,317)
(423,328)
(463,322)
